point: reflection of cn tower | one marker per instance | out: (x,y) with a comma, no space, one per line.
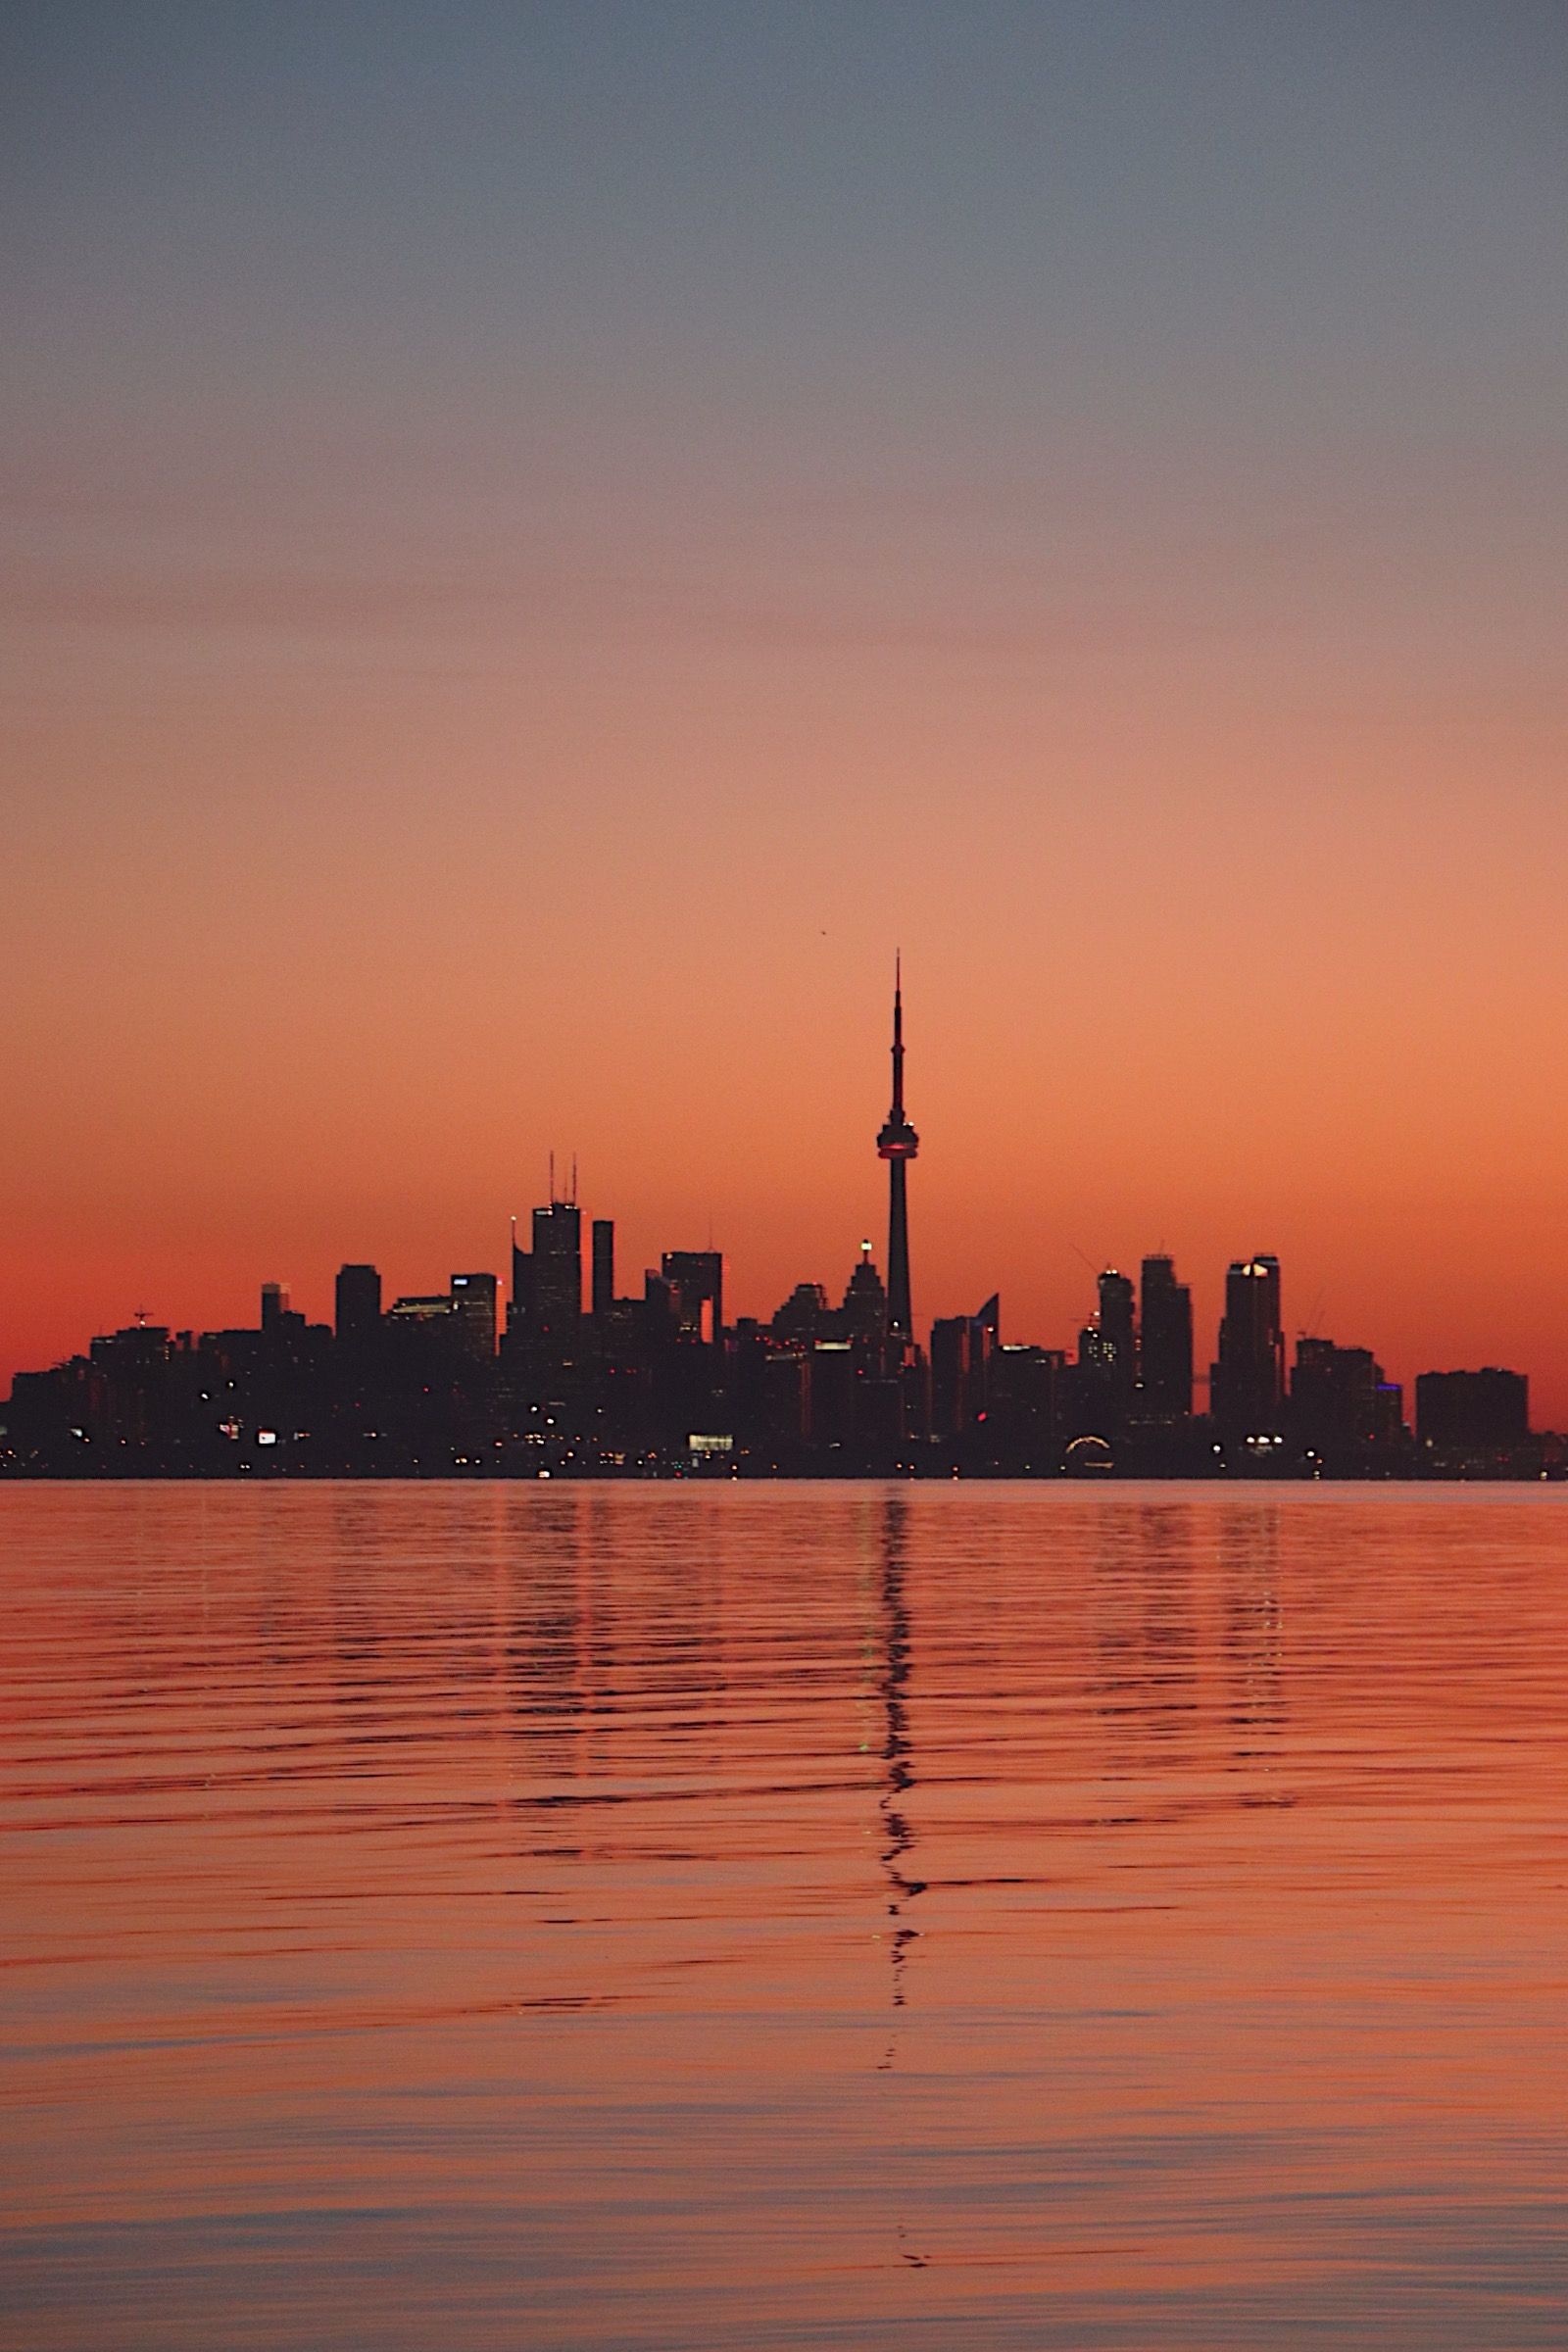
(897,1144)
(899,1776)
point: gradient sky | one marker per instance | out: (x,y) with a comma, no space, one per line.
(540,542)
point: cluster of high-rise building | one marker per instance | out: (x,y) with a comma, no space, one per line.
(544,1380)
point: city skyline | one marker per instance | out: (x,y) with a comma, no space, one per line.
(557,1228)
(659,1379)
(896,1145)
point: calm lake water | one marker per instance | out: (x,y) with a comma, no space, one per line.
(768,1916)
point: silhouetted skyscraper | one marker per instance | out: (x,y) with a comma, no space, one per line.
(1165,1341)
(1118,1335)
(557,1276)
(805,1314)
(1334,1399)
(275,1304)
(897,1144)
(696,1279)
(985,1337)
(473,1302)
(519,1313)
(357,1307)
(863,1313)
(1247,1388)
(604,1265)
(1472,1413)
(963,1348)
(950,1375)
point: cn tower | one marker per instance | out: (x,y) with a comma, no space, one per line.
(897,1144)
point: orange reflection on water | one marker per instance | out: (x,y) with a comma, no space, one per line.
(749,1916)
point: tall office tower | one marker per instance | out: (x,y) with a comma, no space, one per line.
(557,1270)
(1165,1350)
(897,1144)
(950,1375)
(1247,1386)
(963,1348)
(473,1303)
(519,1311)
(356,1312)
(1472,1413)
(604,1265)
(985,1337)
(805,1315)
(697,1278)
(1118,1332)
(275,1304)
(865,1311)
(1334,1398)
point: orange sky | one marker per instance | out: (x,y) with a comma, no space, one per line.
(505,643)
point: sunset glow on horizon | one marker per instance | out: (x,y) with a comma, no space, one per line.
(543,545)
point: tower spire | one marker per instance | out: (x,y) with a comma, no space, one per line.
(897,1144)
(898,1035)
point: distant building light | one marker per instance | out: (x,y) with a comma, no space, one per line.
(710,1445)
(267,1437)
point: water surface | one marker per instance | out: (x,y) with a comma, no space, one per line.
(753,1917)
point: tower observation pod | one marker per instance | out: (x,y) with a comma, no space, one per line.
(898,1144)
